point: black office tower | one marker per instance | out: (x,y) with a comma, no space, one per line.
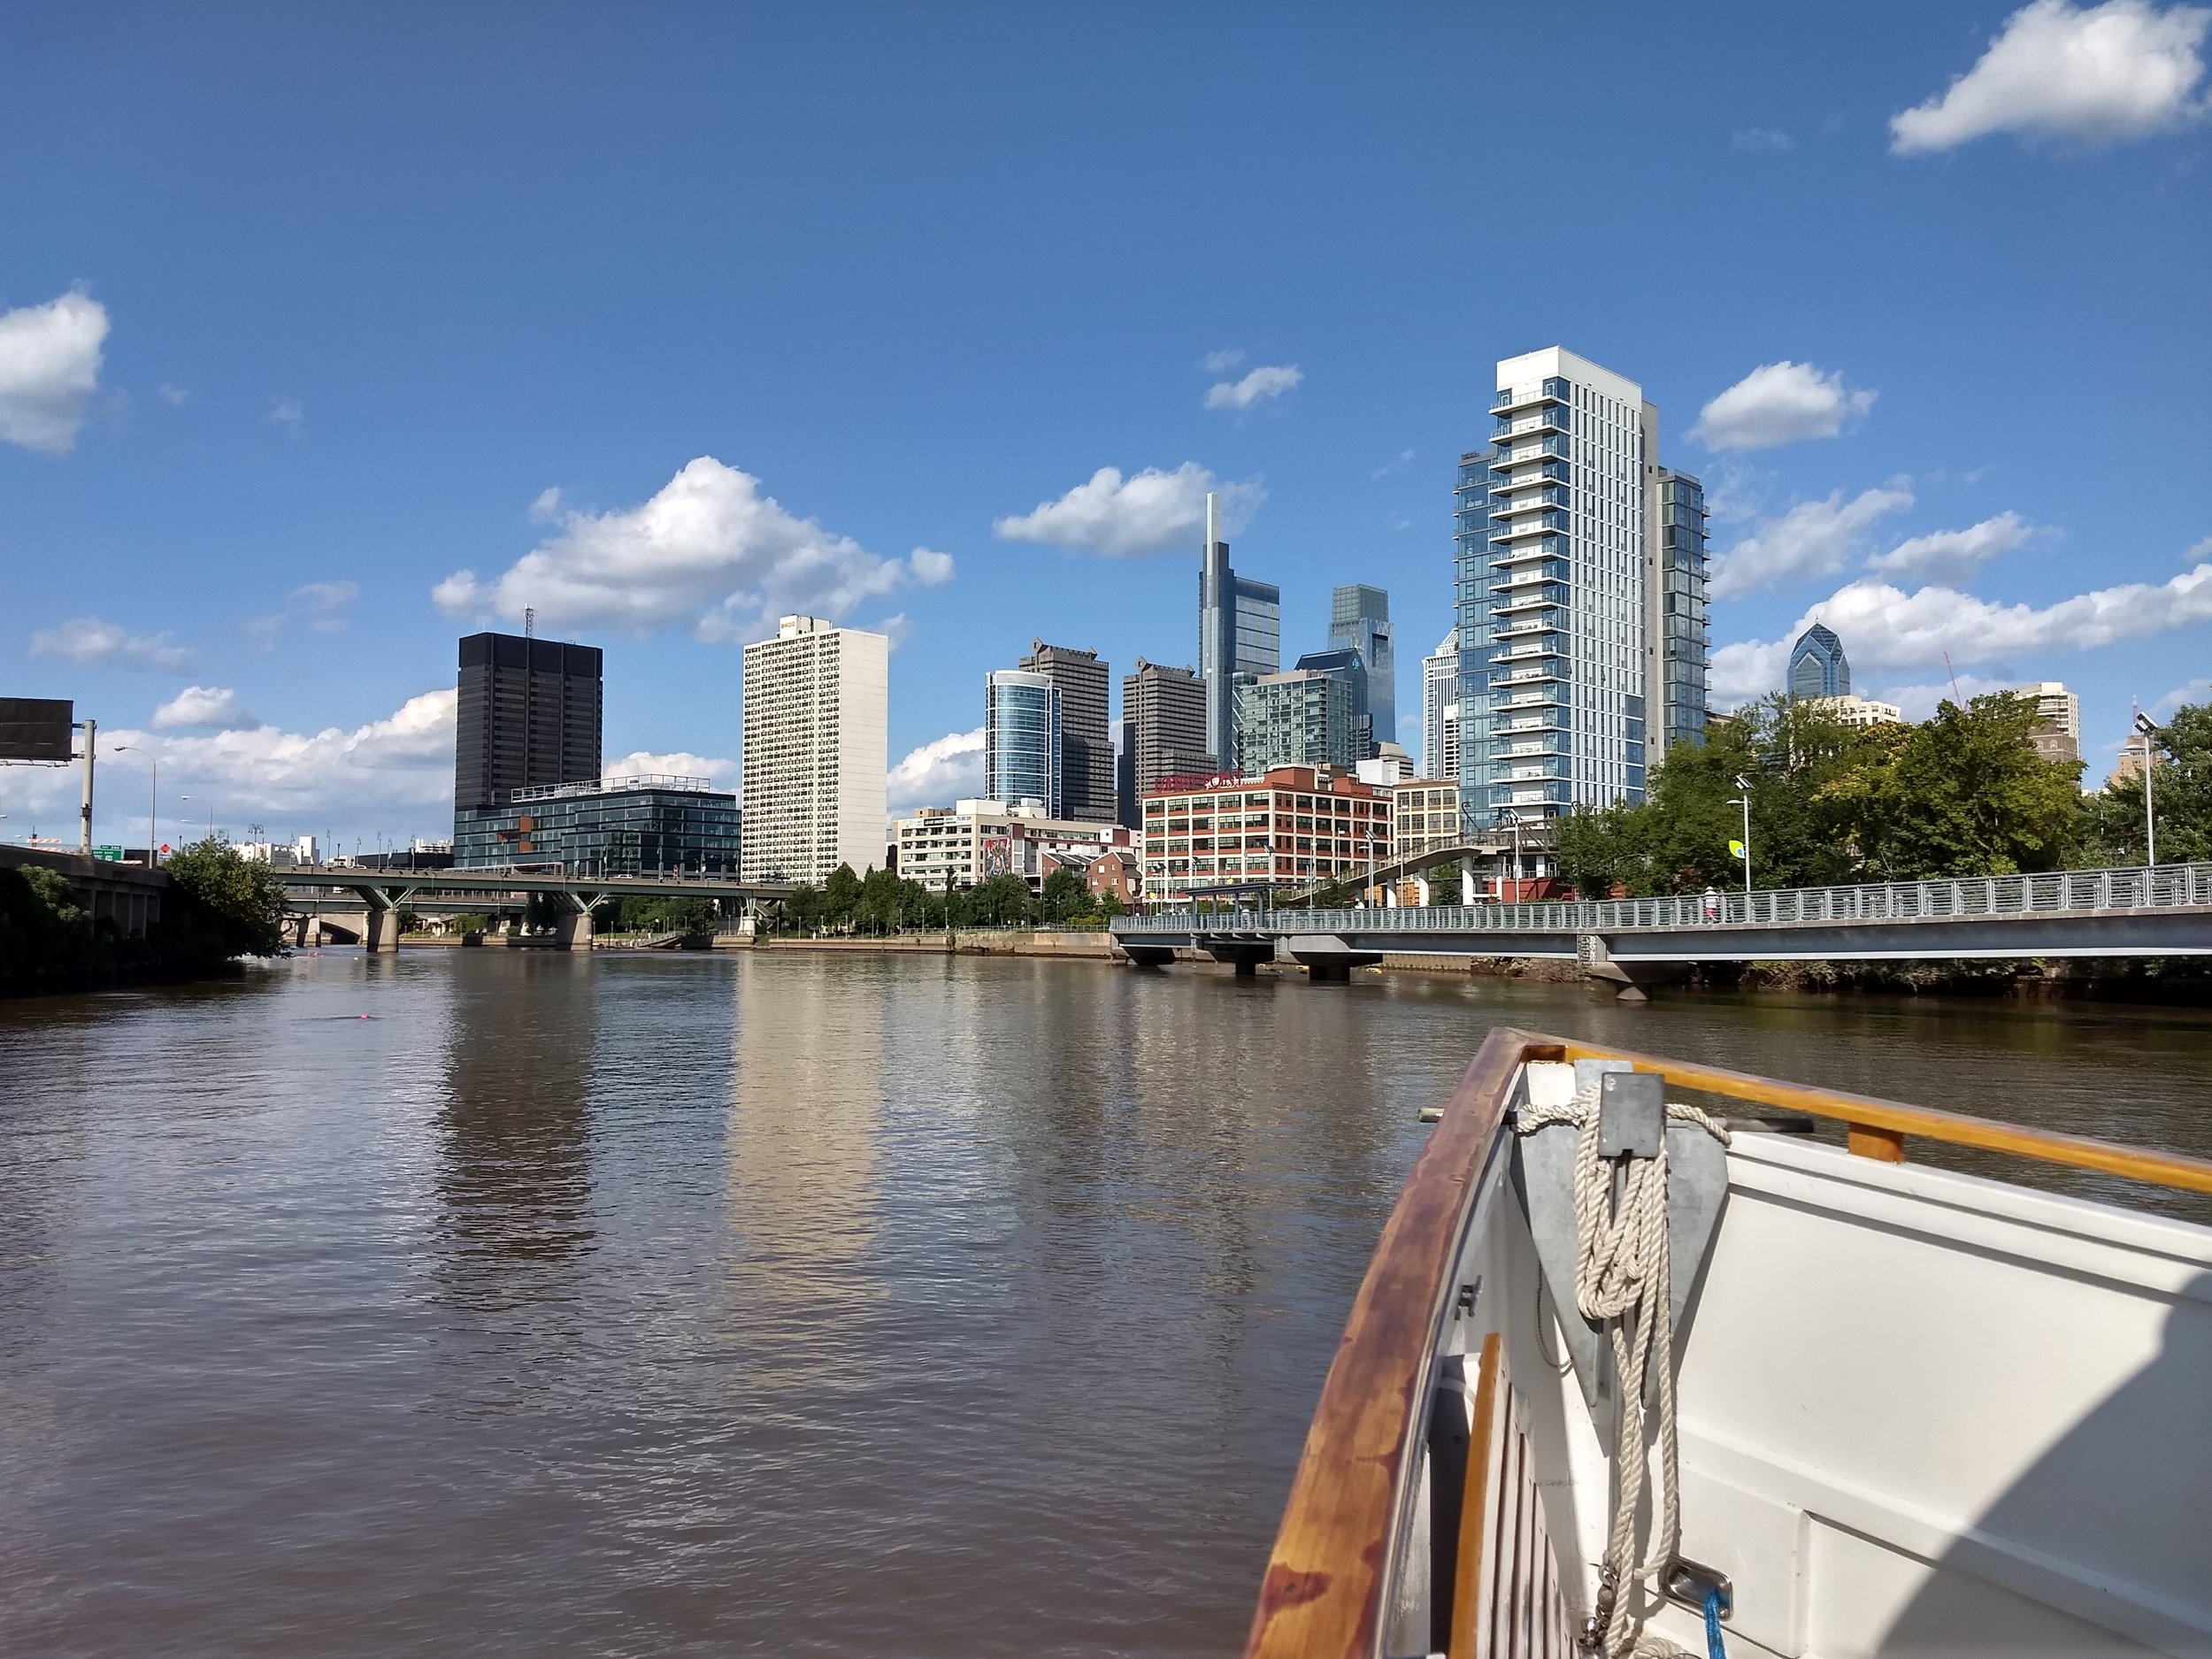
(1086,742)
(528,716)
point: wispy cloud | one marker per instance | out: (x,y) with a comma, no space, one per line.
(321,605)
(1256,388)
(1814,538)
(1221,362)
(1766,139)
(1952,556)
(90,641)
(2097,75)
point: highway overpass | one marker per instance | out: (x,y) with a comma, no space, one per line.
(385,893)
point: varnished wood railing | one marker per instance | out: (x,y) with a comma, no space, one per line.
(1877,1128)
(1323,1597)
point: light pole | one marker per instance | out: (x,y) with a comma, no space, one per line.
(153,800)
(2147,729)
(1507,815)
(211,816)
(1743,801)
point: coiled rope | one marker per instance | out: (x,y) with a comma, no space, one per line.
(1622,1282)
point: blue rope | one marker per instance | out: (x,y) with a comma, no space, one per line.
(1713,1647)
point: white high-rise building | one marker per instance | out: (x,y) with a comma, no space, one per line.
(817,714)
(1439,710)
(1592,607)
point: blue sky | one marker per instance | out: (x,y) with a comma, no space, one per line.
(668,319)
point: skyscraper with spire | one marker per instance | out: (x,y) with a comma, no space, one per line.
(1239,634)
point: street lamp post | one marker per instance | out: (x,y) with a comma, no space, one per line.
(1743,801)
(2147,729)
(153,800)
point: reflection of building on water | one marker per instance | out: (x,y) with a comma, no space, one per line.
(514,1183)
(806,1105)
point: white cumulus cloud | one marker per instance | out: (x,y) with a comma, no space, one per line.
(1883,626)
(1780,403)
(393,775)
(709,548)
(49,367)
(91,642)
(215,706)
(1262,383)
(939,773)
(2125,69)
(1814,538)
(931,568)
(1122,518)
(644,763)
(1952,556)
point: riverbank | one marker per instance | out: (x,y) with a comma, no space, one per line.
(2182,983)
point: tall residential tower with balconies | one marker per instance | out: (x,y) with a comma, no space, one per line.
(1582,609)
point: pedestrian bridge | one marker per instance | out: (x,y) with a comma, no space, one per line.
(2164,910)
(386,893)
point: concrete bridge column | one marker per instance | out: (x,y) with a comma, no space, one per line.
(1469,892)
(1421,888)
(380,932)
(572,932)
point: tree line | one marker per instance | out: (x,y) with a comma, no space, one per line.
(884,902)
(1964,794)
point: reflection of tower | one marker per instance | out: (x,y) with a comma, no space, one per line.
(515,1180)
(806,1104)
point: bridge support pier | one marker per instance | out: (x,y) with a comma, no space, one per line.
(1329,960)
(572,932)
(381,931)
(1633,977)
(1469,890)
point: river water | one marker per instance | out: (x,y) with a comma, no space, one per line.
(512,1303)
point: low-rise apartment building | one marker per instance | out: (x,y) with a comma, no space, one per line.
(965,845)
(1289,828)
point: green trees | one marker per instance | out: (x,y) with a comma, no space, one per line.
(218,906)
(1962,794)
(2181,796)
(234,905)
(881,902)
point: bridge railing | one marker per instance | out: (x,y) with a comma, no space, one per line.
(2059,891)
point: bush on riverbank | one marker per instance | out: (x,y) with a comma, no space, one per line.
(218,907)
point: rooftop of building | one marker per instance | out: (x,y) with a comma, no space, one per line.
(668,782)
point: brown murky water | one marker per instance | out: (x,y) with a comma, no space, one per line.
(671,1305)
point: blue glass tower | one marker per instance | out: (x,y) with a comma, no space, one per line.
(1022,739)
(1359,620)
(1818,668)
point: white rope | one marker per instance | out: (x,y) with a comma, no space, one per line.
(1622,1282)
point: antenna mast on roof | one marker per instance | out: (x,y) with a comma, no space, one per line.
(1954,673)
(530,623)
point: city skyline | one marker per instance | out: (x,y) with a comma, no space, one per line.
(274,450)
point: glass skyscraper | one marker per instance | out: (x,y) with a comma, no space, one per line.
(1022,746)
(1818,668)
(1240,637)
(1359,620)
(1470,571)
(1675,626)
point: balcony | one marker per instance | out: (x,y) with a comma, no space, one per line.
(1550,496)
(1551,417)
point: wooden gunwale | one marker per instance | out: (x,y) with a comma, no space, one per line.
(1322,1597)
(1888,1120)
(1323,1594)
